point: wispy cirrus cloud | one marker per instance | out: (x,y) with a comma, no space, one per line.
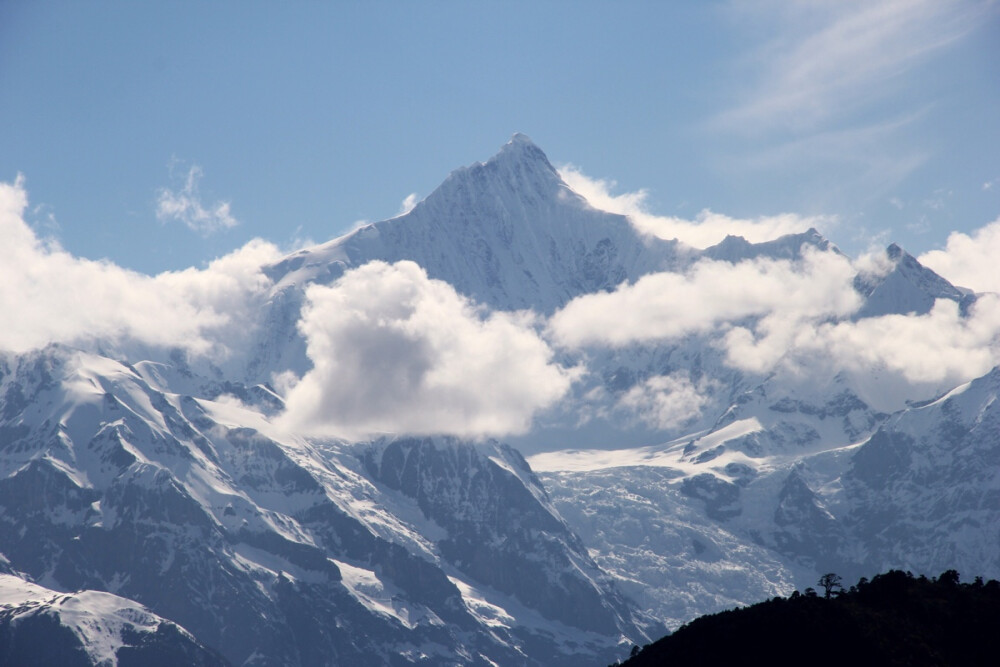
(185,205)
(825,60)
(835,96)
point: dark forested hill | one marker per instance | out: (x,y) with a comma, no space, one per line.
(894,619)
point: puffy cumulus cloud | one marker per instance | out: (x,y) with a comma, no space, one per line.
(939,348)
(769,315)
(969,260)
(666,401)
(710,295)
(890,358)
(51,296)
(395,351)
(707,229)
(185,205)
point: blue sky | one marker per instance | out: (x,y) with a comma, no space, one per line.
(162,135)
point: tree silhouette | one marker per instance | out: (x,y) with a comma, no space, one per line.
(894,619)
(949,578)
(830,582)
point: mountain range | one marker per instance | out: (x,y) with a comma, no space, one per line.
(504,427)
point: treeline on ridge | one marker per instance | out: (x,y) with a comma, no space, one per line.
(896,618)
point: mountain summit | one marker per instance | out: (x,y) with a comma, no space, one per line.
(515,180)
(508,232)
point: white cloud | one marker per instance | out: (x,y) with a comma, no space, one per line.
(833,96)
(185,205)
(666,401)
(828,59)
(969,260)
(707,229)
(394,351)
(846,150)
(710,295)
(408,203)
(935,351)
(794,316)
(51,296)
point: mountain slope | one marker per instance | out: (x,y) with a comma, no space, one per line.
(908,287)
(268,548)
(89,628)
(925,488)
(507,232)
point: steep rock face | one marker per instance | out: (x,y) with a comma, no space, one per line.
(269,549)
(39,626)
(806,530)
(501,528)
(800,415)
(926,487)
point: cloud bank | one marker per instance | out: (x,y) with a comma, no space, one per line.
(50,296)
(941,348)
(768,316)
(706,230)
(395,351)
(710,295)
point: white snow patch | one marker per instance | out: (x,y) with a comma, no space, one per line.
(383,598)
(668,455)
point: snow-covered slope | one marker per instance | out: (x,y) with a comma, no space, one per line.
(924,491)
(760,505)
(39,626)
(277,551)
(907,287)
(775,491)
(507,232)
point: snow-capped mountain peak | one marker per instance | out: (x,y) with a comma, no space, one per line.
(508,232)
(519,173)
(907,286)
(736,248)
